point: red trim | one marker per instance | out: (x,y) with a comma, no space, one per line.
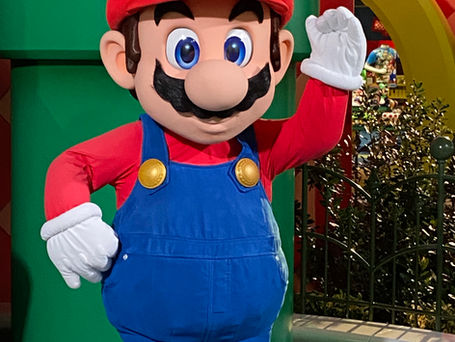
(5,185)
(447,7)
(5,71)
(5,162)
(117,10)
(328,4)
(5,267)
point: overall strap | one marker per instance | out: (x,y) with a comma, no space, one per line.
(153,141)
(249,151)
(155,156)
(249,145)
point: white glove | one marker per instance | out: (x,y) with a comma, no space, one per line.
(79,243)
(338,49)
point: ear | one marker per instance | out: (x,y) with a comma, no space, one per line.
(286,50)
(112,50)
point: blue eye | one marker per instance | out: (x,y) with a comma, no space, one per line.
(234,50)
(187,53)
(238,47)
(182,48)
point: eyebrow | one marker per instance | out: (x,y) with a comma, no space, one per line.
(173,6)
(247,5)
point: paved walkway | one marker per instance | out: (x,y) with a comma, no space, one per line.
(307,328)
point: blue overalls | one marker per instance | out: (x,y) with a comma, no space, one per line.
(200,256)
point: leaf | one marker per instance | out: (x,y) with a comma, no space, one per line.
(424,261)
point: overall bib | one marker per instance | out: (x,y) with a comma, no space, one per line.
(200,256)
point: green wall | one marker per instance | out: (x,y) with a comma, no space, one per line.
(54,107)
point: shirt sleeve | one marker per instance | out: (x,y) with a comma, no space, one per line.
(110,158)
(311,132)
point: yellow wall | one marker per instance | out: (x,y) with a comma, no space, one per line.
(425,44)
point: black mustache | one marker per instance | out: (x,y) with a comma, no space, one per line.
(172,90)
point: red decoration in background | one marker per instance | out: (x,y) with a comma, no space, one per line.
(5,74)
(377,26)
(328,4)
(5,185)
(373,44)
(448,9)
(5,268)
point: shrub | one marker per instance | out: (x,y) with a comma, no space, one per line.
(402,216)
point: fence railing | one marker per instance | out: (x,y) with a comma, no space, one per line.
(385,253)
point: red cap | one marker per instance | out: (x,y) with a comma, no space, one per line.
(117,10)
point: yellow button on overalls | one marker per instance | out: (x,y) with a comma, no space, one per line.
(247,172)
(152,173)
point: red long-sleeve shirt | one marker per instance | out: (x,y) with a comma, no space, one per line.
(114,158)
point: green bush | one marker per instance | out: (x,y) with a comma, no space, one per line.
(402,217)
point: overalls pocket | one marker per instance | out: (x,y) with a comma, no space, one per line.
(124,291)
(257,293)
(157,296)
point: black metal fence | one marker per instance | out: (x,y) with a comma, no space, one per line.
(381,252)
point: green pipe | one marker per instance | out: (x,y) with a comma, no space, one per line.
(283,207)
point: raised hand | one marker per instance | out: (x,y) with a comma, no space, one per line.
(338,49)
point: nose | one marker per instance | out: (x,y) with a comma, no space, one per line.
(216,85)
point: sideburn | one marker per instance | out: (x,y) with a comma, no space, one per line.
(129,29)
(275,55)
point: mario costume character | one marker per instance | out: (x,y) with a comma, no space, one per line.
(194,252)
